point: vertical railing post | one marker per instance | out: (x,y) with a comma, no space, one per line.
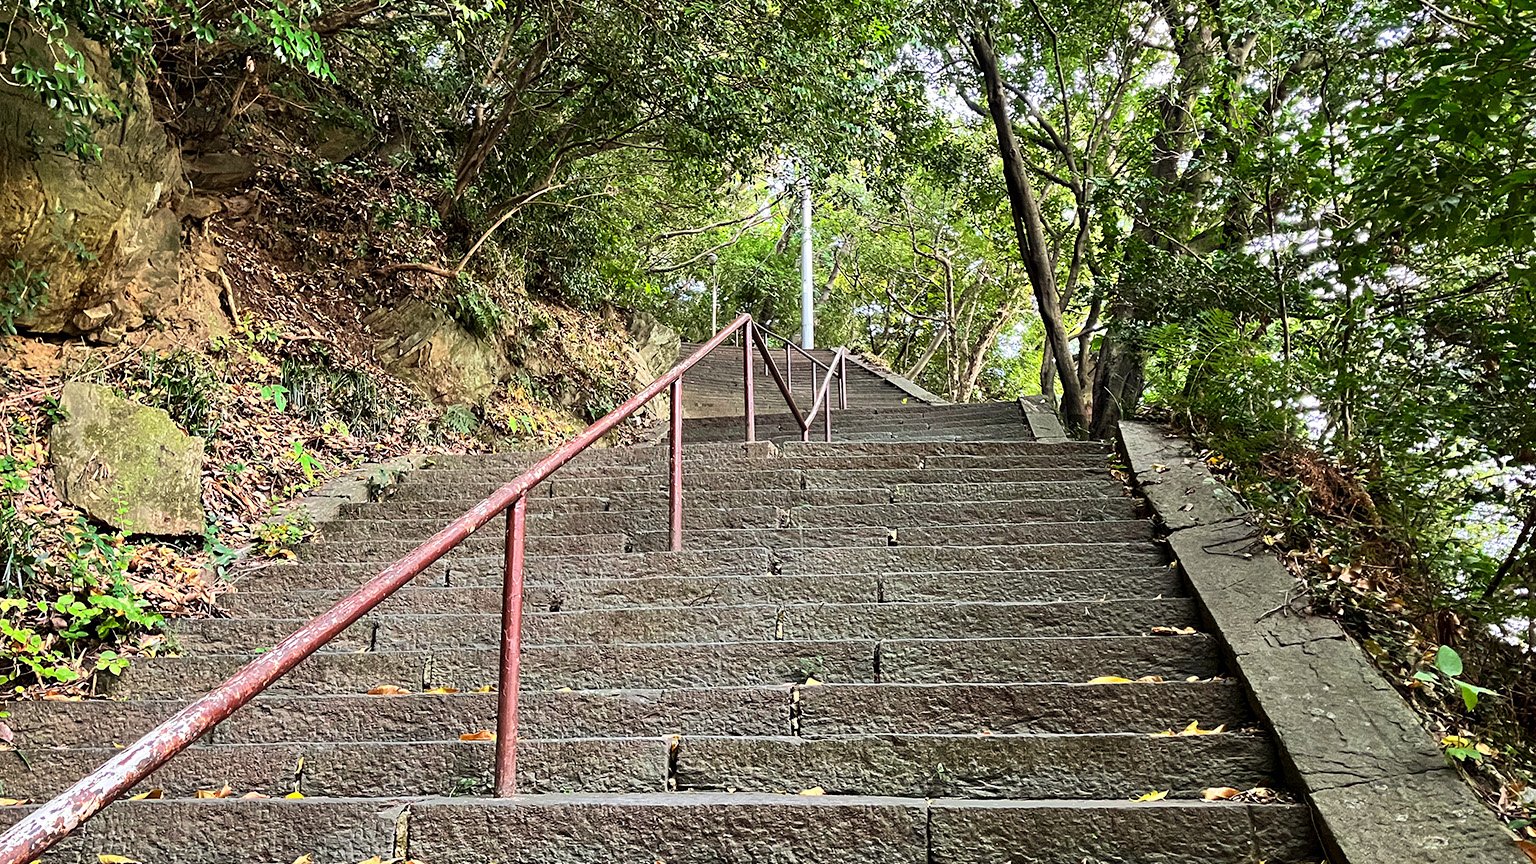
(842,382)
(789,368)
(675,486)
(511,649)
(826,418)
(812,397)
(749,410)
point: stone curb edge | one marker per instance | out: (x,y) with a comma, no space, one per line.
(900,383)
(1380,789)
(1041,419)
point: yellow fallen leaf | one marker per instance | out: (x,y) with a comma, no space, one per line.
(374,860)
(811,682)
(482,735)
(1150,679)
(1173,631)
(294,795)
(151,795)
(209,793)
(304,859)
(814,790)
(1110,679)
(1194,729)
(12,802)
(106,858)
(441,691)
(486,689)
(388,690)
(1153,796)
(1220,793)
(253,795)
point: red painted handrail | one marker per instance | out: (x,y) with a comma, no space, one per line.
(46,825)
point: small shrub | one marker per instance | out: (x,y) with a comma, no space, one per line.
(276,538)
(21,290)
(478,312)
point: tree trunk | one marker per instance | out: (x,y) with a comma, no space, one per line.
(1030,230)
(1118,379)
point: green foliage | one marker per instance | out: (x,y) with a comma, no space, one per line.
(478,312)
(21,290)
(277,394)
(460,420)
(1448,669)
(184,383)
(328,394)
(277,537)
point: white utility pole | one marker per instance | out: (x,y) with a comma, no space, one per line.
(807,290)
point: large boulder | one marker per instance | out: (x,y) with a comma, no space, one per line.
(101,231)
(656,346)
(126,464)
(422,344)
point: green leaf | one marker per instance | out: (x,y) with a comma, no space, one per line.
(1448,661)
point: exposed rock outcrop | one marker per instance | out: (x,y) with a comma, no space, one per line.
(125,464)
(426,346)
(101,231)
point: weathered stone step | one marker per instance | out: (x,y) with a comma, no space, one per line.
(958,448)
(683,624)
(545,545)
(811,711)
(648,512)
(657,538)
(284,576)
(763,454)
(356,769)
(694,828)
(997,434)
(978,766)
(724,664)
(647,476)
(577,594)
(1045,556)
(417,716)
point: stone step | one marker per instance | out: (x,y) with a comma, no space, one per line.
(538,545)
(764,454)
(648,512)
(809,711)
(978,766)
(576,594)
(721,664)
(948,448)
(997,434)
(695,828)
(648,475)
(478,565)
(656,538)
(286,575)
(357,769)
(682,624)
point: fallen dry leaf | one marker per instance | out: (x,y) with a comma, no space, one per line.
(1109,679)
(441,691)
(388,690)
(482,735)
(1173,631)
(106,858)
(151,795)
(253,795)
(814,790)
(1153,796)
(304,859)
(1220,793)
(209,793)
(1194,729)
(295,796)
(12,802)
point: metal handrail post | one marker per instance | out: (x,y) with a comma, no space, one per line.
(675,454)
(842,381)
(748,409)
(511,649)
(789,367)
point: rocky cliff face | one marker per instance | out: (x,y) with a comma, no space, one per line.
(101,232)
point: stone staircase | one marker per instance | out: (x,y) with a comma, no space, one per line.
(881,649)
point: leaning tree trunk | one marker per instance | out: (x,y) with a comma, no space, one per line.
(1030,230)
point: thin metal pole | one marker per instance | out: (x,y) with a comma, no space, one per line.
(746,381)
(842,381)
(511,649)
(789,367)
(826,420)
(807,288)
(812,392)
(675,488)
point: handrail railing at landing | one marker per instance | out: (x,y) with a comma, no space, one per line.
(790,350)
(34,834)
